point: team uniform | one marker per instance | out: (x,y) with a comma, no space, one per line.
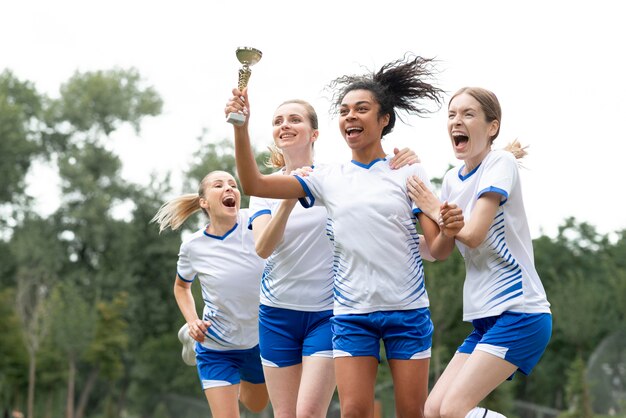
(229,271)
(502,295)
(296,287)
(379,276)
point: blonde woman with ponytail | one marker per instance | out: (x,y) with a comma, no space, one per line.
(224,341)
(502,296)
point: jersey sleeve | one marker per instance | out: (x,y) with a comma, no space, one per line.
(499,175)
(258,206)
(313,187)
(184,269)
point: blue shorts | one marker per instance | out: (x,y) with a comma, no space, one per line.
(223,368)
(286,335)
(407,335)
(519,338)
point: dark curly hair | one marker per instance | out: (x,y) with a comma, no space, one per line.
(401,84)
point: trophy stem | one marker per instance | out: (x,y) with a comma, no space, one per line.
(247,56)
(244,76)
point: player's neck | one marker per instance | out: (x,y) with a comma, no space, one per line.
(220,225)
(293,162)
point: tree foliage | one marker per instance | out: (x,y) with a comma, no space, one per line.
(86,297)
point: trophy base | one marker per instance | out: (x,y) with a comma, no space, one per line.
(236,119)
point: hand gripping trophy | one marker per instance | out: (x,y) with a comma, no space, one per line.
(248,57)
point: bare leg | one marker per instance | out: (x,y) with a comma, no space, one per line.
(283,384)
(223,401)
(356,377)
(410,382)
(433,403)
(477,378)
(316,387)
(253,396)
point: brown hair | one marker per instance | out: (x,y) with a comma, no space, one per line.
(276,158)
(490,105)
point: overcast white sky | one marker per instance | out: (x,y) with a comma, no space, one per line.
(557,67)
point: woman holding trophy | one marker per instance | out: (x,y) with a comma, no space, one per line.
(379,288)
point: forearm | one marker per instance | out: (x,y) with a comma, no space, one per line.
(274,230)
(247,169)
(184,299)
(442,246)
(475,231)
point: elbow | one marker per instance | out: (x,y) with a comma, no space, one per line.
(473,241)
(262,252)
(437,255)
(247,189)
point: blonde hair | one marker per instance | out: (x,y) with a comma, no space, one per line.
(173,213)
(276,158)
(516,149)
(490,105)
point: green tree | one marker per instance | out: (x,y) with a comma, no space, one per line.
(20,113)
(13,358)
(106,350)
(73,331)
(38,256)
(104,100)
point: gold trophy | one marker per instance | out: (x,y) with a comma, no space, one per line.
(248,57)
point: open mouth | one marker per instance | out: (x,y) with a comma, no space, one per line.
(460,139)
(229,201)
(353,131)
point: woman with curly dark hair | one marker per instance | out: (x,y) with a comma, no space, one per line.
(379,290)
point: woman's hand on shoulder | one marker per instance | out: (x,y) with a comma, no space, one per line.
(405,156)
(423,198)
(302,171)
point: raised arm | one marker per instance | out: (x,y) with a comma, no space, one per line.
(252,181)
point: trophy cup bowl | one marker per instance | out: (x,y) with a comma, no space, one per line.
(247,56)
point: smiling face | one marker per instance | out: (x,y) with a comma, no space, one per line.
(359,122)
(470,131)
(292,128)
(220,196)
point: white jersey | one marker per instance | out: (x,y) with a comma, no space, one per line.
(299,273)
(377,262)
(500,272)
(230,273)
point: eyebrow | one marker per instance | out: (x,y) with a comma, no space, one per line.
(357,103)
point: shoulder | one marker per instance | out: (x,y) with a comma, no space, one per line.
(244,216)
(188,240)
(501,157)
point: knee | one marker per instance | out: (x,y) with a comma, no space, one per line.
(432,409)
(254,402)
(452,410)
(310,411)
(355,411)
